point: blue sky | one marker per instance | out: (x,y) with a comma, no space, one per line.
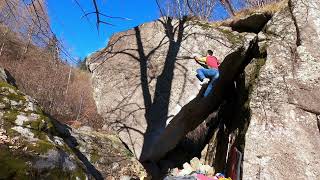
(81,37)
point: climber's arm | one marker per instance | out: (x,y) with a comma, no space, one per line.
(201,60)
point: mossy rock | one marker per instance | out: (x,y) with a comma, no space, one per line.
(57,174)
(18,165)
(94,156)
(12,92)
(4,84)
(235,39)
(40,147)
(9,118)
(35,139)
(12,166)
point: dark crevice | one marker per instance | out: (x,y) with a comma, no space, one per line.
(63,131)
(318,121)
(126,146)
(252,24)
(8,78)
(234,114)
(291,8)
(188,147)
(294,53)
(234,118)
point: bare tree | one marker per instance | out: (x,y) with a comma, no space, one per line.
(228,5)
(28,45)
(202,9)
(180,8)
(259,3)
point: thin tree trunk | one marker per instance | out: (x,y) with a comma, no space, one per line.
(52,87)
(3,43)
(227,4)
(69,76)
(2,46)
(28,44)
(81,100)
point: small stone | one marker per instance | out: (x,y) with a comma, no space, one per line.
(5,100)
(30,107)
(11,91)
(85,128)
(184,172)
(2,106)
(262,36)
(105,127)
(175,171)
(146,178)
(225,28)
(58,141)
(188,167)
(125,178)
(187,170)
(33,117)
(14,103)
(14,147)
(115,166)
(206,169)
(195,163)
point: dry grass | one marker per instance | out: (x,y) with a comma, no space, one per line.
(268,9)
(45,79)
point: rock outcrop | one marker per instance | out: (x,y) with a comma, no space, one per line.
(35,146)
(146,75)
(283,139)
(267,97)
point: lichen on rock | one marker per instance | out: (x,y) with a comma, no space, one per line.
(35,146)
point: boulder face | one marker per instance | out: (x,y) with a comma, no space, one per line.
(267,97)
(35,146)
(146,75)
(283,139)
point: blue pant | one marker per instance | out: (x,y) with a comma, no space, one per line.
(212,74)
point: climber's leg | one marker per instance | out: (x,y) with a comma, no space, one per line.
(209,88)
(201,74)
(213,74)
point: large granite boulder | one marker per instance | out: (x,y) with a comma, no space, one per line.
(35,146)
(146,75)
(283,138)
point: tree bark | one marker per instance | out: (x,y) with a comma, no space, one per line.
(227,4)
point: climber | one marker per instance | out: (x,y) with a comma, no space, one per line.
(209,74)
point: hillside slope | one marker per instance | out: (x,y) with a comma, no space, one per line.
(35,146)
(41,73)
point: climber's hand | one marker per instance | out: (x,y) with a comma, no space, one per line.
(194,56)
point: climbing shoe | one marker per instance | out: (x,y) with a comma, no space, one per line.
(205,81)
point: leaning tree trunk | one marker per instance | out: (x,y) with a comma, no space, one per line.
(197,110)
